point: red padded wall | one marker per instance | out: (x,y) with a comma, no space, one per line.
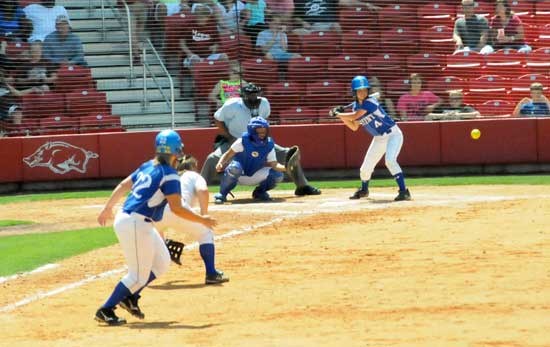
(421,144)
(502,141)
(322,146)
(543,140)
(54,158)
(10,152)
(122,153)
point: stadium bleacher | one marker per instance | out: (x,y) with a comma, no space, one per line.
(403,37)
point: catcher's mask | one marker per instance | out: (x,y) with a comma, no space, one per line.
(251,98)
(257,123)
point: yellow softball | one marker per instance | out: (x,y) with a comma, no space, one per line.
(475,134)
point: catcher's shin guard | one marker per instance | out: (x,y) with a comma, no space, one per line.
(294,167)
(230,177)
(271,181)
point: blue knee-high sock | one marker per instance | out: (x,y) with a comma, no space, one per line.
(365,185)
(117,296)
(152,277)
(400,181)
(208,253)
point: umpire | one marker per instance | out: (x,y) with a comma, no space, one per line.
(232,119)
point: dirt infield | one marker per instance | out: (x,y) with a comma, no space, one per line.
(458,266)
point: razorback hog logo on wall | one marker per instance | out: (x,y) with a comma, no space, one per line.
(60,157)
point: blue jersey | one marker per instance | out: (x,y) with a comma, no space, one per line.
(376,121)
(151,185)
(254,156)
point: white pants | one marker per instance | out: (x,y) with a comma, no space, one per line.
(391,145)
(143,249)
(190,231)
(258,177)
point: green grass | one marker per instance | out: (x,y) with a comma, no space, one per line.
(333,184)
(11,223)
(27,252)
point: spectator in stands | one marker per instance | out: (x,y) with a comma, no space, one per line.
(472,31)
(256,22)
(535,106)
(62,46)
(417,103)
(230,88)
(387,103)
(455,109)
(138,11)
(274,41)
(201,39)
(282,8)
(42,17)
(11,16)
(361,3)
(161,10)
(506,29)
(311,16)
(227,14)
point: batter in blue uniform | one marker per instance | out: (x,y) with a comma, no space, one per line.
(151,187)
(252,161)
(387,137)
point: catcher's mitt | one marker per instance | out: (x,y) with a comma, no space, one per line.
(292,158)
(335,110)
(174,248)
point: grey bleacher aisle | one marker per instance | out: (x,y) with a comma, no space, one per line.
(109,61)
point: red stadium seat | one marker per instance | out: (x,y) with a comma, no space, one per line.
(23,3)
(507,63)
(400,39)
(437,39)
(354,17)
(299,115)
(68,124)
(82,103)
(28,127)
(344,67)
(306,69)
(520,87)
(427,64)
(43,105)
(542,13)
(487,88)
(395,15)
(496,109)
(326,43)
(435,14)
(387,66)
(237,46)
(443,85)
(361,43)
(206,74)
(99,122)
(464,64)
(285,95)
(73,78)
(538,61)
(325,94)
(260,71)
(543,36)
(15,49)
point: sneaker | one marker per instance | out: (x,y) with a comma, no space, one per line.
(217,278)
(261,195)
(360,193)
(131,305)
(307,190)
(108,316)
(219,198)
(403,195)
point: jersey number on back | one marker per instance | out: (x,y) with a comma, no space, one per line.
(143,182)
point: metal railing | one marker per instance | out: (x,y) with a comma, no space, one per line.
(147,68)
(128,31)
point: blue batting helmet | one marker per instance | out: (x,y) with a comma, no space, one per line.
(255,123)
(359,82)
(168,142)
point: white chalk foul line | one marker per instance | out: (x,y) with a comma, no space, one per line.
(37,270)
(42,295)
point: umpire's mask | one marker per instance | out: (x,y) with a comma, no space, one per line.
(251,98)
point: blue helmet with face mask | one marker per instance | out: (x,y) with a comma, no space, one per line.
(168,142)
(359,82)
(253,124)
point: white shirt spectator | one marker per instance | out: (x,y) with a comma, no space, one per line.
(43,20)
